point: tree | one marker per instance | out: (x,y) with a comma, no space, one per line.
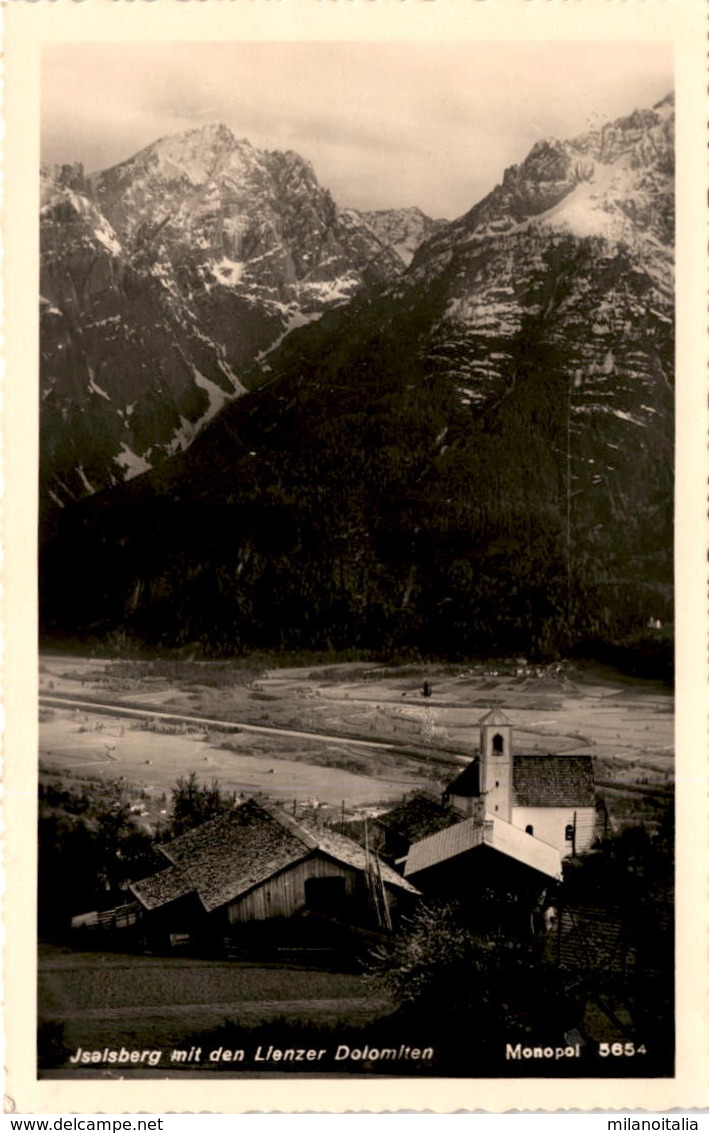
(194,803)
(451,979)
(89,848)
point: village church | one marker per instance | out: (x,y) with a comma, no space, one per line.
(505,822)
(551,797)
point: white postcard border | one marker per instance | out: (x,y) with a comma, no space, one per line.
(28,25)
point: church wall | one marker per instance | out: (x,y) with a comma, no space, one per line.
(549,825)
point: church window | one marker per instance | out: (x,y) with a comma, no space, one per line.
(529,830)
(569,832)
(498,744)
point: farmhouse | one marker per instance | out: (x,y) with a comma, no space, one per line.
(257,864)
(550,797)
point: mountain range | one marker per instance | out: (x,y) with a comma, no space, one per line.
(447,437)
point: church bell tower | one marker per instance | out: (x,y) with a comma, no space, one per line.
(496,764)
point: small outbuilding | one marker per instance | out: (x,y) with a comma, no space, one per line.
(474,854)
(396,830)
(491,866)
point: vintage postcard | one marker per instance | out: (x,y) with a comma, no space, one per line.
(354,594)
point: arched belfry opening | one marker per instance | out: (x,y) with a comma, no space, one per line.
(498,744)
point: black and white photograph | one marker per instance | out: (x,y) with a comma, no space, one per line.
(356,481)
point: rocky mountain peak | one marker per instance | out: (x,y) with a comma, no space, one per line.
(164,276)
(615,181)
(189,154)
(643,137)
(56,178)
(666,105)
(403,229)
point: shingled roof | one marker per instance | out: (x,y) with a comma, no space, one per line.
(162,888)
(418,817)
(590,939)
(538,781)
(553,780)
(467,784)
(225,858)
(494,833)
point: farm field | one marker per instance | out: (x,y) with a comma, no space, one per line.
(95,1000)
(627,725)
(88,744)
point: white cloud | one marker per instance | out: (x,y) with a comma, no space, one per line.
(384,124)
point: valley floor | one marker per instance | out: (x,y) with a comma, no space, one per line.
(352,736)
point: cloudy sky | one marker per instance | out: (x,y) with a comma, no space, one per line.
(384,124)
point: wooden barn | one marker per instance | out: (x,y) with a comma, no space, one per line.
(257,864)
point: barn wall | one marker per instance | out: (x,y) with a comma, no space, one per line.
(549,825)
(284,894)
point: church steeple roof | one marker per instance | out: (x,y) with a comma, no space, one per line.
(495,717)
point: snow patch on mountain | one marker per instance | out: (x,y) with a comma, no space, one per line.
(295,317)
(331,292)
(131,464)
(95,387)
(182,437)
(228,272)
(595,207)
(48,308)
(84,480)
(217,396)
(106,236)
(228,373)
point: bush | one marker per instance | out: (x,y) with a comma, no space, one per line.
(439,960)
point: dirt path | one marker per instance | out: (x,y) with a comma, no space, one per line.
(117,708)
(247,1011)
